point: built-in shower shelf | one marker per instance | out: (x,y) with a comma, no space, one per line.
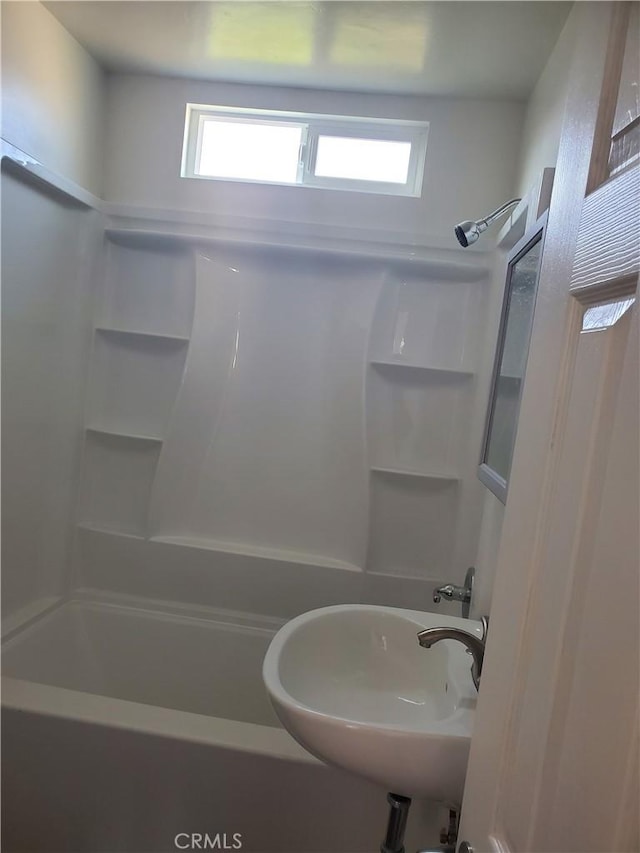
(95,527)
(406,472)
(384,364)
(159,336)
(127,436)
(177,237)
(259,551)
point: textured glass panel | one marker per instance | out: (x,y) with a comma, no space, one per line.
(625,132)
(600,317)
(628,103)
(625,148)
(363,159)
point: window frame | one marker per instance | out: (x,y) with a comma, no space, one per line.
(313,126)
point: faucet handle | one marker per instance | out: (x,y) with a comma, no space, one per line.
(484,621)
(448,590)
(457,593)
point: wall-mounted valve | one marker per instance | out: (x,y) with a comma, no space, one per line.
(457,593)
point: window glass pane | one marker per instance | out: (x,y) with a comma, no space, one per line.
(253,151)
(363,159)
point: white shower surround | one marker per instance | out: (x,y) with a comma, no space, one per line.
(269,411)
(279,406)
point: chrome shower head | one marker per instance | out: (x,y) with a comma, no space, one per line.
(467,232)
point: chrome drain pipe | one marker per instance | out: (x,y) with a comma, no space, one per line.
(398,814)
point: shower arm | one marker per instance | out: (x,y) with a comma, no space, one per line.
(499,211)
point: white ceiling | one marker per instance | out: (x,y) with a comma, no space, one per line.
(464,49)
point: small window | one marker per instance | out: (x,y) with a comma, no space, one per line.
(331,152)
(253,151)
(363,159)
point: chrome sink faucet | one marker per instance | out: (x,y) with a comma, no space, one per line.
(474,645)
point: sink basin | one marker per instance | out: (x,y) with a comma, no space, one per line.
(352,685)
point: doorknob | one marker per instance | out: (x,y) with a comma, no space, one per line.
(465,847)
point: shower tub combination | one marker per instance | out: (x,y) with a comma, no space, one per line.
(135,726)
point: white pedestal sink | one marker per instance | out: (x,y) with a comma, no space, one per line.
(352,685)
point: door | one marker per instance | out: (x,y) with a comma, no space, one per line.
(554,755)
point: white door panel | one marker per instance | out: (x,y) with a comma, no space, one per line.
(553,763)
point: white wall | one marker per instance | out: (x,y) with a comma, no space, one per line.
(47,249)
(470,167)
(52,95)
(52,109)
(541,140)
(545,111)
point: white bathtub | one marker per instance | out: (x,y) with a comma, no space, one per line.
(130,727)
